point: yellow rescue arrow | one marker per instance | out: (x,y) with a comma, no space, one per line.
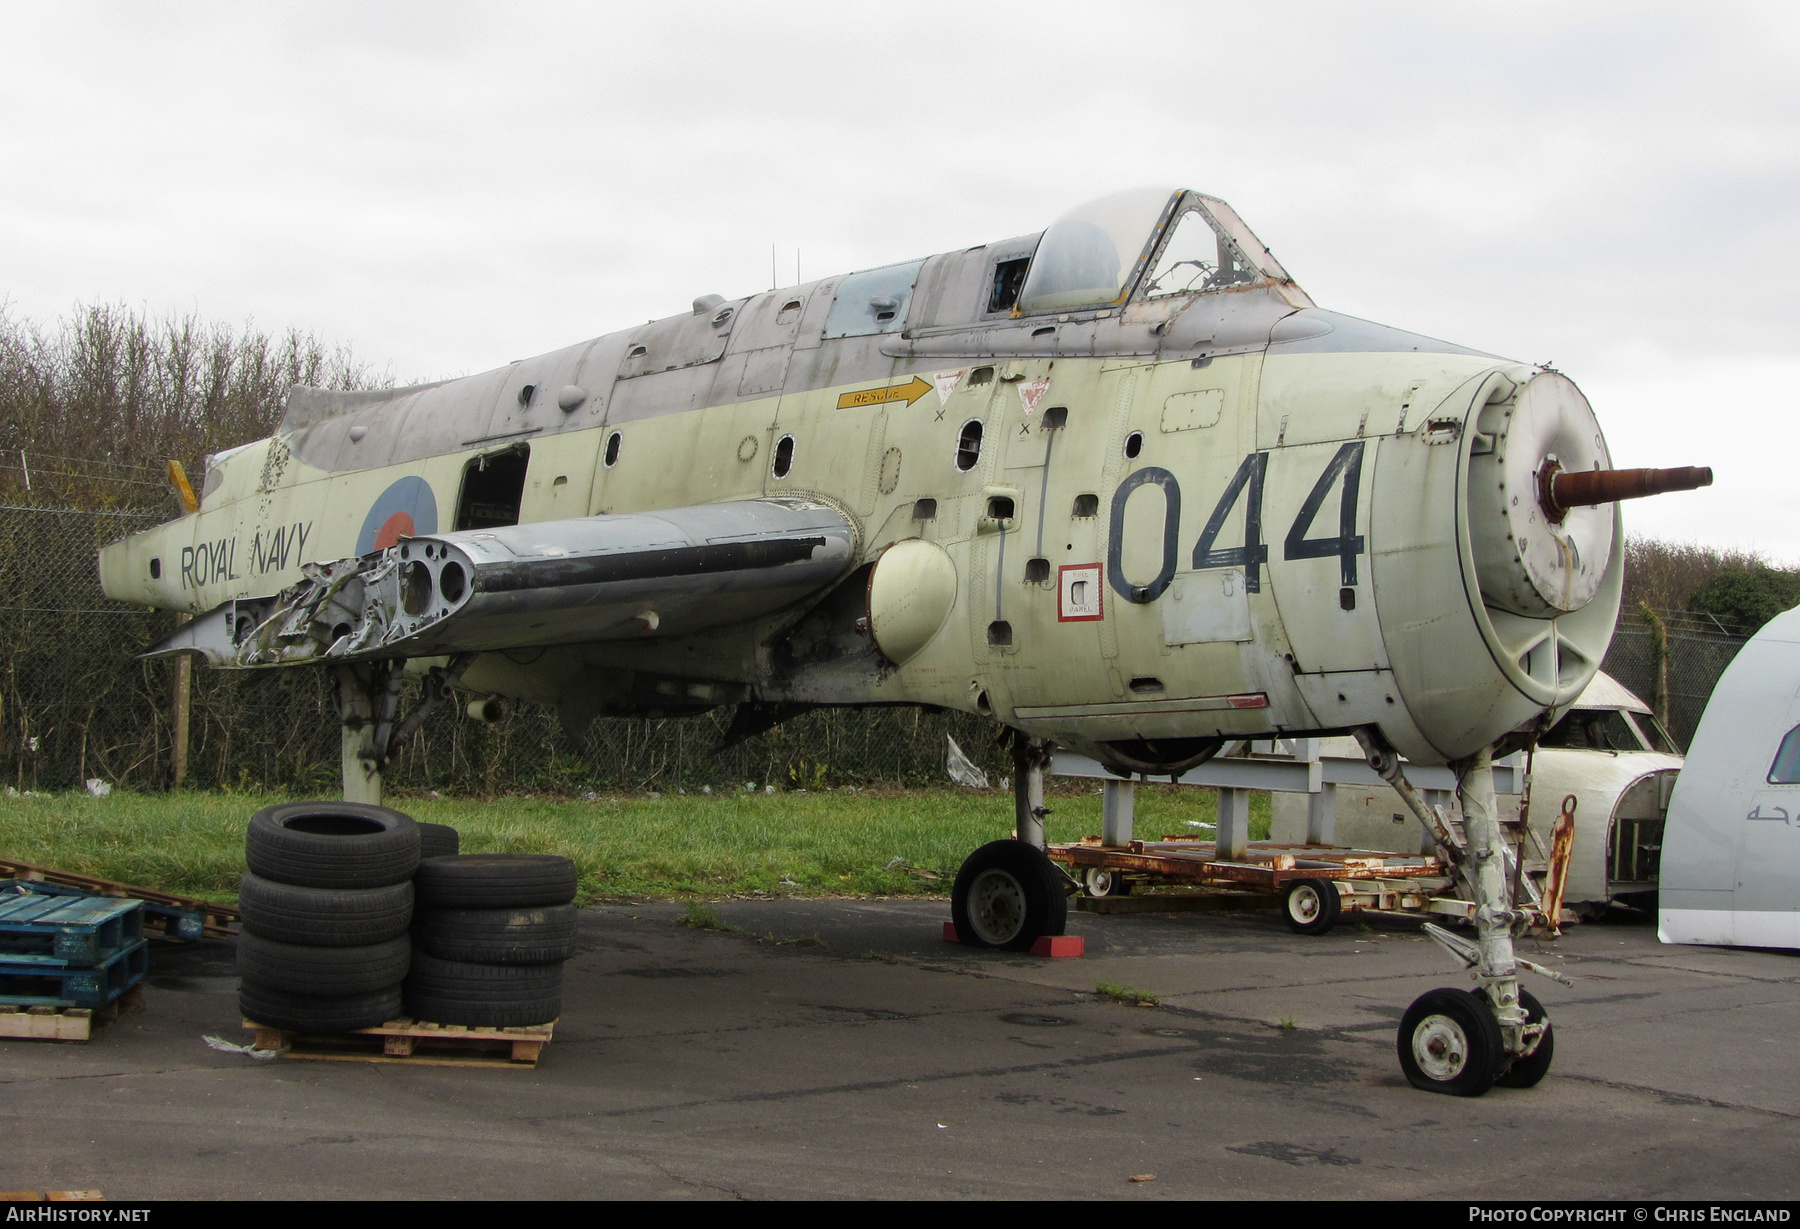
(908,393)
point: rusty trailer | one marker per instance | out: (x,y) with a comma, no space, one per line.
(1315,882)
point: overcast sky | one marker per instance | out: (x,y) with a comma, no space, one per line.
(444,187)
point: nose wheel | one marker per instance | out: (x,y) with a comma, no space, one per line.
(1449,1042)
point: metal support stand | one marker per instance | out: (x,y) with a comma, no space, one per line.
(1234,823)
(1118,799)
(358,697)
(1030,757)
(1484,870)
(1438,802)
(1321,816)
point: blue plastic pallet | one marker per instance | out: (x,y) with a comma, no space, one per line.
(44,985)
(59,930)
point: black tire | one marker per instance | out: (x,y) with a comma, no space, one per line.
(495,881)
(1008,895)
(1311,906)
(438,841)
(324,917)
(1098,882)
(1528,1071)
(332,845)
(312,1013)
(1449,1042)
(485,995)
(544,935)
(330,971)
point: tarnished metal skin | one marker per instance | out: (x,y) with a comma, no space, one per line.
(676,572)
(1272,513)
(1120,486)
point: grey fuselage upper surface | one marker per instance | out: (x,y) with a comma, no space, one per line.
(1119,484)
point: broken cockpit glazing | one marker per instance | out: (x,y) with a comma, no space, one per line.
(1093,255)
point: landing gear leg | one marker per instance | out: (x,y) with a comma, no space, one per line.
(1030,757)
(1455,1041)
(1009,894)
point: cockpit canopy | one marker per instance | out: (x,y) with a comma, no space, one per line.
(1096,253)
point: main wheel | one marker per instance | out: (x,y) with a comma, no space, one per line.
(1098,881)
(1449,1042)
(1008,894)
(1311,906)
(1526,1072)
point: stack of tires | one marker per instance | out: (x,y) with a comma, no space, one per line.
(326,910)
(490,935)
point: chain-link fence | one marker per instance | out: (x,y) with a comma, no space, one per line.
(76,702)
(1695,650)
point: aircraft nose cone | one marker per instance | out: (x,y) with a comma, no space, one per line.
(1535,559)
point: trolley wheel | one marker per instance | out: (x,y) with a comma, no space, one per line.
(1526,1072)
(1311,906)
(1008,894)
(1449,1042)
(1098,881)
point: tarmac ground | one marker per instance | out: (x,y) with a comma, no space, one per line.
(872,1059)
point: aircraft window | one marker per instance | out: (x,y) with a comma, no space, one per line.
(968,445)
(613,442)
(1134,444)
(1589,729)
(1651,731)
(1198,258)
(1086,505)
(1088,255)
(872,302)
(1786,768)
(1009,275)
(492,489)
(784,456)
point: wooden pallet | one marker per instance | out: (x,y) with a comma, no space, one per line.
(66,1023)
(418,1042)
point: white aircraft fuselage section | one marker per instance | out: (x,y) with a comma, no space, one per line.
(1133,501)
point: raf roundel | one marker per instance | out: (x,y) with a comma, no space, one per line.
(406,509)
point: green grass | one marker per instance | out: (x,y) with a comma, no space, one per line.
(628,846)
(1126,994)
